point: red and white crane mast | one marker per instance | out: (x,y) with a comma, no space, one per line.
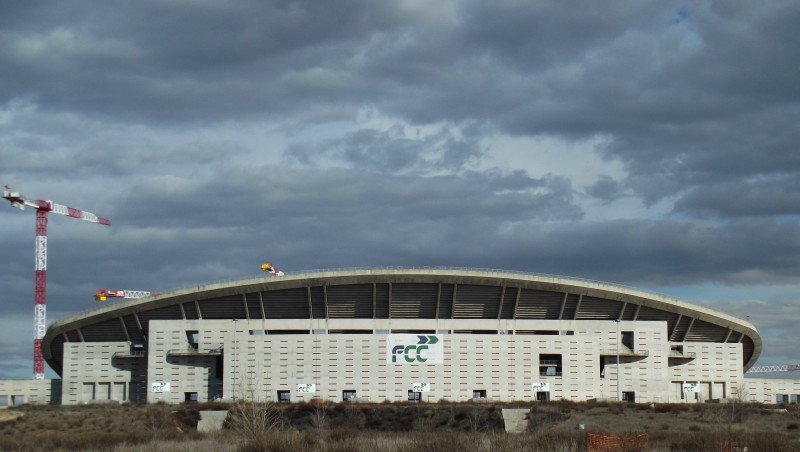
(40,289)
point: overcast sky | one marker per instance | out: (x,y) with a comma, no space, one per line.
(646,143)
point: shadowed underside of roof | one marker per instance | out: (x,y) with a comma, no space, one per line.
(374,295)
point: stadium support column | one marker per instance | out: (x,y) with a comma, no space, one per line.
(235,327)
(619,389)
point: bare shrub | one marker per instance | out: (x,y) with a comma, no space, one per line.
(319,417)
(156,419)
(253,420)
(477,419)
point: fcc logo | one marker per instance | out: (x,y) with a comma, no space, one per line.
(413,349)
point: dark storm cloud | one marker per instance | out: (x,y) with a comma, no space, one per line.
(156,60)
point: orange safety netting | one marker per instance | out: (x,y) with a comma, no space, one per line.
(604,442)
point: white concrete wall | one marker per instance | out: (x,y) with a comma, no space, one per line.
(259,365)
(717,369)
(93,374)
(771,390)
(19,392)
(504,366)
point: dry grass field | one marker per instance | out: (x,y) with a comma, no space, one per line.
(397,427)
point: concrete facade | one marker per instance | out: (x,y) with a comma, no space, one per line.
(406,334)
(236,360)
(19,392)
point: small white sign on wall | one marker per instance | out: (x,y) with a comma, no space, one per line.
(540,387)
(306,388)
(160,386)
(690,387)
(420,387)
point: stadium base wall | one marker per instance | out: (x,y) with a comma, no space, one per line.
(20,392)
(337,359)
(771,390)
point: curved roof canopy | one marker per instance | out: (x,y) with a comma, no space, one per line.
(408,293)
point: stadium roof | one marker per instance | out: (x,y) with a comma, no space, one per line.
(403,293)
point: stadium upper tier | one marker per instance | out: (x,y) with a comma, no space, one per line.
(409,293)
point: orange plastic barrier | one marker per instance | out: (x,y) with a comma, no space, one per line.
(604,442)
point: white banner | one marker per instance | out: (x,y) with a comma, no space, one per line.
(540,387)
(160,386)
(306,388)
(420,387)
(690,387)
(414,348)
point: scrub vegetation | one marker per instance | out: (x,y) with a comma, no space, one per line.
(443,426)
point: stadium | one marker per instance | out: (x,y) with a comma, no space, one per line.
(420,334)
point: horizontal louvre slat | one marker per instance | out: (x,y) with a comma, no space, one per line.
(253,306)
(286,304)
(446,301)
(648,313)
(414,301)
(509,301)
(133,328)
(190,310)
(598,309)
(106,331)
(630,311)
(539,304)
(351,301)
(318,302)
(227,307)
(570,306)
(476,302)
(706,332)
(381,301)
(680,331)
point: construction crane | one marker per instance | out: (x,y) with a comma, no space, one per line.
(104,294)
(40,289)
(269,268)
(779,368)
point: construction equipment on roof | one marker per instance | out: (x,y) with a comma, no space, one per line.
(104,294)
(269,268)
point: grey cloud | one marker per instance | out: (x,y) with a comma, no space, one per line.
(394,151)
(605,188)
(155,61)
(763,197)
(241,195)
